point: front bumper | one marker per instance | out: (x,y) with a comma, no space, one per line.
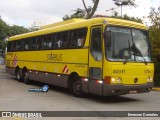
(111,90)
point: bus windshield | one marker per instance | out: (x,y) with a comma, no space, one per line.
(126,44)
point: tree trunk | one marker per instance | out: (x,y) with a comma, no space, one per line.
(90,14)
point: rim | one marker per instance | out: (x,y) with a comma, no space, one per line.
(18,75)
(25,75)
(77,87)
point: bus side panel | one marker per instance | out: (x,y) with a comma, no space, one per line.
(49,78)
(51,66)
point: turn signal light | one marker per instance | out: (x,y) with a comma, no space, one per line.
(107,79)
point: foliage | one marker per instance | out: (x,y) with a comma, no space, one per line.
(154,33)
(79,13)
(3,29)
(16,30)
(86,13)
(154,17)
(7,31)
(126,17)
(125,3)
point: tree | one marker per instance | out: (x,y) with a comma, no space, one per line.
(154,33)
(7,31)
(16,30)
(3,34)
(91,10)
(124,3)
(86,13)
(126,17)
(79,13)
(154,17)
(3,29)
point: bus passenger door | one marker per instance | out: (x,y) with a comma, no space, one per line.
(95,61)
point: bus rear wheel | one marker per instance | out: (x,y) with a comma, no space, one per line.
(18,75)
(25,77)
(76,87)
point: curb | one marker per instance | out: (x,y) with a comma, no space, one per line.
(155,89)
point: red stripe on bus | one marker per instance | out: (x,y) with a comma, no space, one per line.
(64,68)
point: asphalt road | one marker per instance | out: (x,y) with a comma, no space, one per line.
(14,96)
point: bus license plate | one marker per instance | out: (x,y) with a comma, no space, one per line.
(133,91)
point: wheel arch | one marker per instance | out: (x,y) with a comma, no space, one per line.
(71,78)
(24,69)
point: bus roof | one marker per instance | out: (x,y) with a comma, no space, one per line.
(78,23)
(62,23)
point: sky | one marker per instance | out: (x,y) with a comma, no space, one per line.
(27,12)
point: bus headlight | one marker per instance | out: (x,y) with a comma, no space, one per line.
(150,79)
(112,80)
(116,80)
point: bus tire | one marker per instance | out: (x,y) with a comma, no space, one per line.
(76,87)
(18,76)
(25,77)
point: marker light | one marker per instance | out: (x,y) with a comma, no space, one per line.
(85,79)
(99,81)
(105,22)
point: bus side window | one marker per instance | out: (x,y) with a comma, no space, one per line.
(81,37)
(12,46)
(96,47)
(18,45)
(47,42)
(58,41)
(26,44)
(39,42)
(34,43)
(43,38)
(64,39)
(78,38)
(74,39)
(50,41)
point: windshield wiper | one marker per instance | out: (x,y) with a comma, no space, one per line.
(143,58)
(140,53)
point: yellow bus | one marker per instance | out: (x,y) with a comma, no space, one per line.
(101,56)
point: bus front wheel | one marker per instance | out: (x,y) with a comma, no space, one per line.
(76,87)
